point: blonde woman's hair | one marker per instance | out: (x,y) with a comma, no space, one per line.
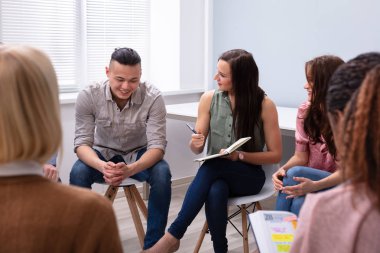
(30,126)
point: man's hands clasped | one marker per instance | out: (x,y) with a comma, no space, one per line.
(114,174)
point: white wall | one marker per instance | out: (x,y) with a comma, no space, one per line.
(192,37)
(165,44)
(177,48)
(283,35)
(66,161)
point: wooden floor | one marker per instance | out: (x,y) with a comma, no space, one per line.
(131,244)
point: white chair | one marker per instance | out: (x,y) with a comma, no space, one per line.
(133,197)
(243,203)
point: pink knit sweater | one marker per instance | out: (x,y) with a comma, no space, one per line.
(332,222)
(319,157)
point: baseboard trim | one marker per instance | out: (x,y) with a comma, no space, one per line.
(182,181)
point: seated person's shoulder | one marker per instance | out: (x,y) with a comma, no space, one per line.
(149,89)
(95,85)
(267,102)
(205,100)
(268,106)
(207,96)
(94,88)
(304,105)
(302,109)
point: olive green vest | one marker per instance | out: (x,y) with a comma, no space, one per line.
(221,134)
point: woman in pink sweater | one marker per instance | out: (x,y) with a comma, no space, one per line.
(347,218)
(314,157)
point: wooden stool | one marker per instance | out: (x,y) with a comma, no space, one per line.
(133,197)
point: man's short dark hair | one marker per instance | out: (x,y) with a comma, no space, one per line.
(126,56)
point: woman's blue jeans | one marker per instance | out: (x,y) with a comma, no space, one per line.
(294,204)
(217,180)
(159,179)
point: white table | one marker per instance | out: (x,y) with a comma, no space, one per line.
(189,112)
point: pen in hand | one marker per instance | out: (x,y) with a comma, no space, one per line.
(191,128)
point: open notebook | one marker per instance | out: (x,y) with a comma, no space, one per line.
(273,230)
(237,144)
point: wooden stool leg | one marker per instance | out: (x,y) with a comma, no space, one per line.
(111,193)
(201,237)
(244,227)
(140,201)
(146,191)
(135,214)
(258,205)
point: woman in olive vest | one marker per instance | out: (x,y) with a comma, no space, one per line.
(239,108)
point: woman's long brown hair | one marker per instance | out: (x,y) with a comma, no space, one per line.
(316,124)
(248,95)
